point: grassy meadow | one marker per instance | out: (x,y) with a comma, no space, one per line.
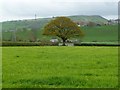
(0,68)
(108,33)
(60,67)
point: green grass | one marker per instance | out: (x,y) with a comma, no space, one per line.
(60,67)
(107,33)
(0,68)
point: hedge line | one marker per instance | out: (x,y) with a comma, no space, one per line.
(52,44)
(96,44)
(29,44)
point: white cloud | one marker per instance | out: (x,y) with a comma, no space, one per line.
(20,9)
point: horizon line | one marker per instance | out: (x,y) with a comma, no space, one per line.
(33,18)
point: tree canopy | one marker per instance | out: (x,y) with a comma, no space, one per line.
(62,27)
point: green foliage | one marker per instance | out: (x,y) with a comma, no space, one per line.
(41,43)
(60,67)
(48,43)
(62,27)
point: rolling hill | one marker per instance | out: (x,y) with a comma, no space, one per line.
(30,30)
(94,18)
(40,22)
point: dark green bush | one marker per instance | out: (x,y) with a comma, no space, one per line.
(29,44)
(96,44)
(47,43)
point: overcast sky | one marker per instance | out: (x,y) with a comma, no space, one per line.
(25,9)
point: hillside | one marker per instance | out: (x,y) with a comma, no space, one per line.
(20,24)
(40,22)
(31,30)
(94,18)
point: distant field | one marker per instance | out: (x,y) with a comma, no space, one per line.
(107,33)
(60,67)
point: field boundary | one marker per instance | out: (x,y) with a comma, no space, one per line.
(56,44)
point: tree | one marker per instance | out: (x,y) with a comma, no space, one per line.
(62,27)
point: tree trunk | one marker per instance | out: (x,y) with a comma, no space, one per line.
(64,40)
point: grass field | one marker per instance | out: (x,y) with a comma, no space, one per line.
(0,68)
(60,67)
(107,33)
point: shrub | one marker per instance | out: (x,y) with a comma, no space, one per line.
(29,44)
